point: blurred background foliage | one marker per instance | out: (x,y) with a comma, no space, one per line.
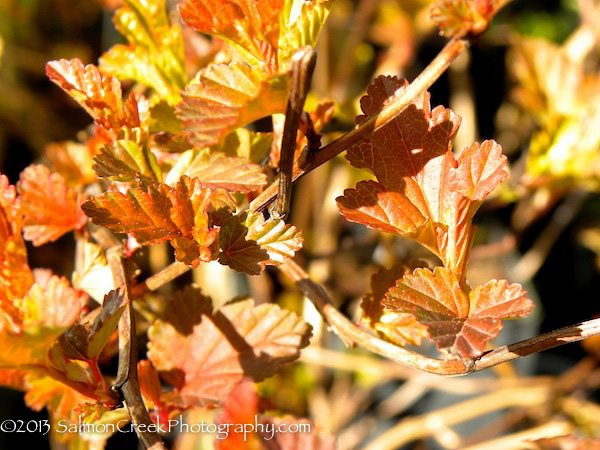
(531,82)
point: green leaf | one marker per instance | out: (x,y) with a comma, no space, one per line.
(155,54)
(127,161)
(215,170)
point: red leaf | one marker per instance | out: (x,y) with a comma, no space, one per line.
(50,208)
(459,321)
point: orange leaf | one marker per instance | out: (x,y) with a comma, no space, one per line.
(460,322)
(423,193)
(215,170)
(100,96)
(209,353)
(401,328)
(158,213)
(15,276)
(226,97)
(251,25)
(50,208)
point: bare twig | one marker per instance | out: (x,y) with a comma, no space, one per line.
(523,439)
(303,66)
(352,334)
(127,380)
(152,283)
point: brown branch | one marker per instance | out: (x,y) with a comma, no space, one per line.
(352,334)
(303,66)
(127,379)
(152,283)
(431,73)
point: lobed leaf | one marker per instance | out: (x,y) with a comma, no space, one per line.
(249,242)
(155,54)
(221,348)
(422,192)
(252,26)
(100,96)
(228,96)
(15,275)
(215,170)
(398,327)
(50,208)
(127,161)
(459,321)
(457,18)
(157,213)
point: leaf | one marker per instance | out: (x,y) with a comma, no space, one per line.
(221,348)
(458,321)
(302,22)
(215,170)
(400,328)
(52,301)
(249,242)
(154,56)
(252,26)
(101,97)
(246,144)
(149,382)
(127,161)
(50,208)
(228,96)
(94,277)
(28,348)
(157,213)
(15,275)
(422,192)
(457,18)
(71,160)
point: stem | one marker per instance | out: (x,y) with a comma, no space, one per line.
(127,379)
(364,129)
(303,65)
(167,274)
(352,334)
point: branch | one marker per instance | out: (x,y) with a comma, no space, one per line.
(303,66)
(431,73)
(127,378)
(167,274)
(352,334)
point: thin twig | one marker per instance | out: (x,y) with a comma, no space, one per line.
(303,66)
(352,334)
(127,379)
(152,283)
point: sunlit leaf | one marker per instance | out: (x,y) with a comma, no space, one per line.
(228,96)
(460,321)
(127,161)
(15,276)
(212,352)
(158,213)
(155,55)
(249,242)
(423,193)
(101,97)
(400,328)
(94,276)
(50,208)
(215,170)
(252,26)
(457,18)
